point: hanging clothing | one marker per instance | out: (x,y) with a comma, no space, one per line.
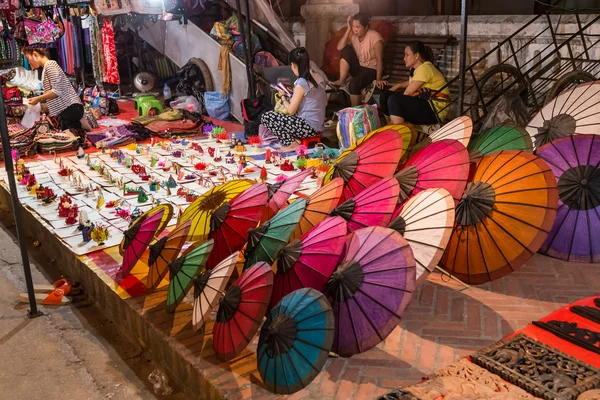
(96,48)
(225,69)
(111,67)
(76,46)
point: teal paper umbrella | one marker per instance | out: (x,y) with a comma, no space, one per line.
(295,341)
(266,241)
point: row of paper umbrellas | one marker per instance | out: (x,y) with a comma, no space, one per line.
(480,212)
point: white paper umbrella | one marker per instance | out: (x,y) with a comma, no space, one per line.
(426,222)
(576,111)
(209,287)
(459,129)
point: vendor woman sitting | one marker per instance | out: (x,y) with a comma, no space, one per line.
(305,109)
(409,101)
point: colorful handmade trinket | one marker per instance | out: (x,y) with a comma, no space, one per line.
(100,234)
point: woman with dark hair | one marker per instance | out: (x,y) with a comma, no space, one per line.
(411,104)
(60,96)
(362,57)
(305,109)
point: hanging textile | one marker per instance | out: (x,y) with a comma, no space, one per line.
(96,48)
(85,31)
(111,67)
(76,45)
(225,69)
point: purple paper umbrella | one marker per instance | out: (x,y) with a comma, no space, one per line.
(370,289)
(575,161)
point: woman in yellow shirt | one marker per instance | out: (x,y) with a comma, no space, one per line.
(411,105)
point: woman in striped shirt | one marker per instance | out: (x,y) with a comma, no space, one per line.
(60,96)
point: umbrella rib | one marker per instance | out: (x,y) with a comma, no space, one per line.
(573,236)
(381,285)
(287,354)
(352,324)
(521,221)
(416,210)
(305,360)
(487,269)
(425,244)
(559,225)
(380,305)
(525,204)
(484,172)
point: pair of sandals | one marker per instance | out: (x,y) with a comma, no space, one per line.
(365,94)
(57,294)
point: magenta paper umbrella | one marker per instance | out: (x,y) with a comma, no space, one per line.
(575,162)
(370,289)
(280,192)
(308,262)
(372,207)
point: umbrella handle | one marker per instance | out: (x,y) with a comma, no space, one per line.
(448,274)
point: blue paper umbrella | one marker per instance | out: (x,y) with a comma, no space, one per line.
(295,341)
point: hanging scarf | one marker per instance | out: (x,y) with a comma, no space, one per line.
(96,48)
(225,69)
(111,67)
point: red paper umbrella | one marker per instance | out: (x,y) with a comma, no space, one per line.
(372,207)
(242,310)
(280,192)
(229,224)
(373,160)
(136,240)
(309,262)
(444,164)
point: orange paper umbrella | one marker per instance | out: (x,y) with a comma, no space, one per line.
(426,221)
(319,205)
(373,160)
(164,251)
(503,217)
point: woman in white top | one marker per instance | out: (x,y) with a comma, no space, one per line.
(59,94)
(362,57)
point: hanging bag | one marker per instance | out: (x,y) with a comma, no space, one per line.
(41,31)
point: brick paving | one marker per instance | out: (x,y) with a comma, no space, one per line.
(446,321)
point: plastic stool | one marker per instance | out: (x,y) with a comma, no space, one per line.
(314,140)
(145,104)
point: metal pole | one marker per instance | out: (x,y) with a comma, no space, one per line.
(463,56)
(249,51)
(238,5)
(8,165)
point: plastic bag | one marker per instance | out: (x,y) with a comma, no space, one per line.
(188,103)
(217,106)
(509,108)
(31,116)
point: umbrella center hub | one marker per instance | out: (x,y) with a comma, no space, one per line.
(345,281)
(229,304)
(346,166)
(200,283)
(212,201)
(344,210)
(476,203)
(560,125)
(156,249)
(218,216)
(289,256)
(579,187)
(407,178)
(281,335)
(399,225)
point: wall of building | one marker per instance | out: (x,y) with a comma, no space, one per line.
(486,32)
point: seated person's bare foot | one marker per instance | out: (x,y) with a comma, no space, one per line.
(289,148)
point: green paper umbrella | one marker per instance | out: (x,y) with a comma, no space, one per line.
(182,272)
(500,138)
(266,241)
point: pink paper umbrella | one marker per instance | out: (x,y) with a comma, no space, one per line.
(371,207)
(309,261)
(280,192)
